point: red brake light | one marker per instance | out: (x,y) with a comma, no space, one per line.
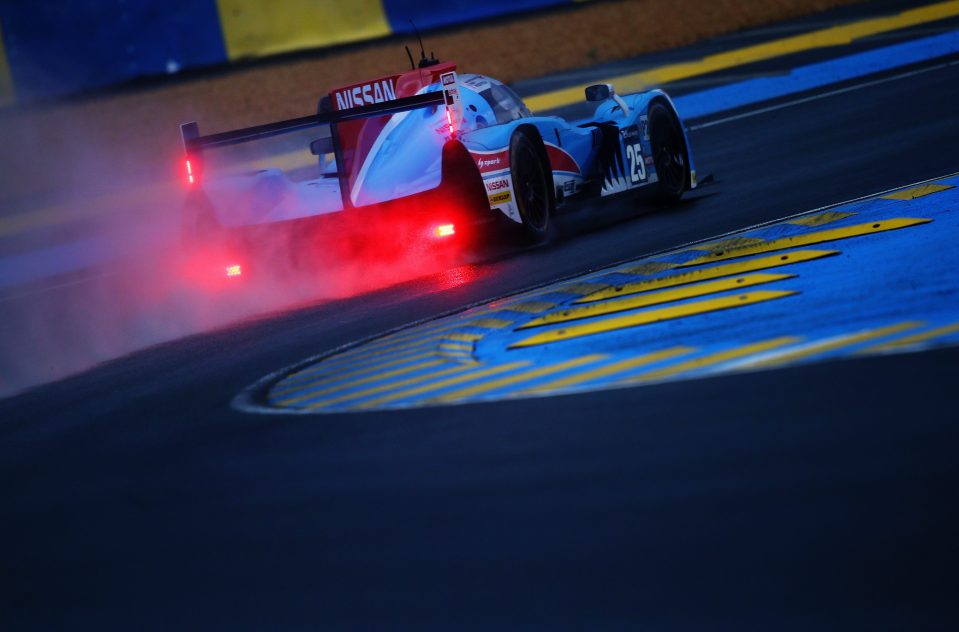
(444,230)
(449,120)
(189,172)
(234,270)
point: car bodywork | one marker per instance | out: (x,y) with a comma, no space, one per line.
(427,145)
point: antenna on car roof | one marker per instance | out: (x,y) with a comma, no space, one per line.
(410,55)
(424,62)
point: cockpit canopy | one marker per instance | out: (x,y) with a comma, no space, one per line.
(486,102)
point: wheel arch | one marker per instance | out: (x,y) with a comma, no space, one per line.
(537,138)
(660,97)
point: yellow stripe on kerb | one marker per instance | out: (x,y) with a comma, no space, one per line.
(6,81)
(399,344)
(576,288)
(435,386)
(299,381)
(820,219)
(610,369)
(908,341)
(256,28)
(461,337)
(488,323)
(378,377)
(650,316)
(715,358)
(830,344)
(832,36)
(509,380)
(348,362)
(647,267)
(658,298)
(808,239)
(391,386)
(715,272)
(917,192)
(528,307)
(728,244)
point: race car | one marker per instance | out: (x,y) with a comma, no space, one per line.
(427,154)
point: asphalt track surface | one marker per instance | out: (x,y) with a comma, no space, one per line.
(819,496)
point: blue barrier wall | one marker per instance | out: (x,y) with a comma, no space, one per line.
(426,15)
(58,48)
(50,49)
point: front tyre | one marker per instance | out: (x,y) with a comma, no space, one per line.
(530,185)
(669,154)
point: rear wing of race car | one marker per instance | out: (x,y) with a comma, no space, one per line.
(194,144)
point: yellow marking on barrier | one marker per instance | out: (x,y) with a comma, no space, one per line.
(378,377)
(509,380)
(821,219)
(830,344)
(917,192)
(832,36)
(712,359)
(808,239)
(7,94)
(705,274)
(256,28)
(607,370)
(592,310)
(392,385)
(299,381)
(435,386)
(648,317)
(528,307)
(914,339)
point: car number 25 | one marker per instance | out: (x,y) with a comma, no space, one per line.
(637,164)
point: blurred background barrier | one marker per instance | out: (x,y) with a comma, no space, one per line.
(55,49)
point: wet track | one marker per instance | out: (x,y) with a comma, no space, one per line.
(808,497)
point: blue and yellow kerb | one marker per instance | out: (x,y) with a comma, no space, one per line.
(860,278)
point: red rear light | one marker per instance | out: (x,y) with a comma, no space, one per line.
(449,120)
(234,270)
(189,172)
(444,230)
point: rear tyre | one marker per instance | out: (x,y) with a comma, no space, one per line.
(530,185)
(669,154)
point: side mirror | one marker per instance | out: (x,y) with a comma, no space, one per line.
(599,92)
(321,146)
